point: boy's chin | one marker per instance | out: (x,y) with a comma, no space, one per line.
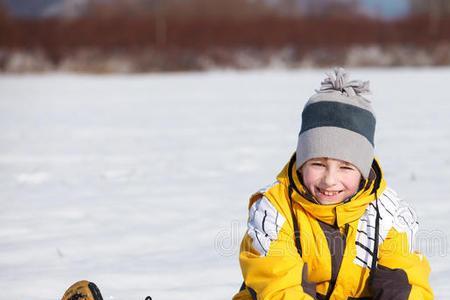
(329,200)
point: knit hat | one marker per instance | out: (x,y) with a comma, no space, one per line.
(337,122)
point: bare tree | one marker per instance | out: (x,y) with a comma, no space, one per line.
(434,9)
(442,7)
(325,8)
(234,9)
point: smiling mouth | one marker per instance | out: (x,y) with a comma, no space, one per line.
(328,193)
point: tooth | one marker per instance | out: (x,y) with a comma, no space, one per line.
(328,193)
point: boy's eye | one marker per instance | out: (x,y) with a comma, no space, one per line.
(347,168)
(318,164)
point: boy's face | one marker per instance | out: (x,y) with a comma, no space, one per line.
(330,181)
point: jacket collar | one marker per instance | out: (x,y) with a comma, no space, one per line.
(341,213)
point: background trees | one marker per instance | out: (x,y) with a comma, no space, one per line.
(196,34)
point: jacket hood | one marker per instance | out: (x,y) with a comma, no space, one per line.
(341,213)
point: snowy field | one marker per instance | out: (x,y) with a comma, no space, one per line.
(140,183)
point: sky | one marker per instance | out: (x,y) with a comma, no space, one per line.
(385,8)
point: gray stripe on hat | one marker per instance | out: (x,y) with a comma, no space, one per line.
(336,96)
(337,114)
(337,143)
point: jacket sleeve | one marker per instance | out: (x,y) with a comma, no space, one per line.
(402,274)
(270,263)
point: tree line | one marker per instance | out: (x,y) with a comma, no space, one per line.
(202,27)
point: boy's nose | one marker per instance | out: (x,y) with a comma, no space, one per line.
(330,178)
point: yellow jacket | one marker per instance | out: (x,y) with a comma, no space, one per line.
(274,267)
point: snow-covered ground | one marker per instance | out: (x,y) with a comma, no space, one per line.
(140,183)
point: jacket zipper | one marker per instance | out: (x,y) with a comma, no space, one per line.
(336,274)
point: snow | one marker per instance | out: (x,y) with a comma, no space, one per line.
(140,182)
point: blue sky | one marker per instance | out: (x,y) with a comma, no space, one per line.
(387,8)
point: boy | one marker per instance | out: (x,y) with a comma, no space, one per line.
(329,227)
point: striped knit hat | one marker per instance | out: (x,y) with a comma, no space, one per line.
(337,122)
